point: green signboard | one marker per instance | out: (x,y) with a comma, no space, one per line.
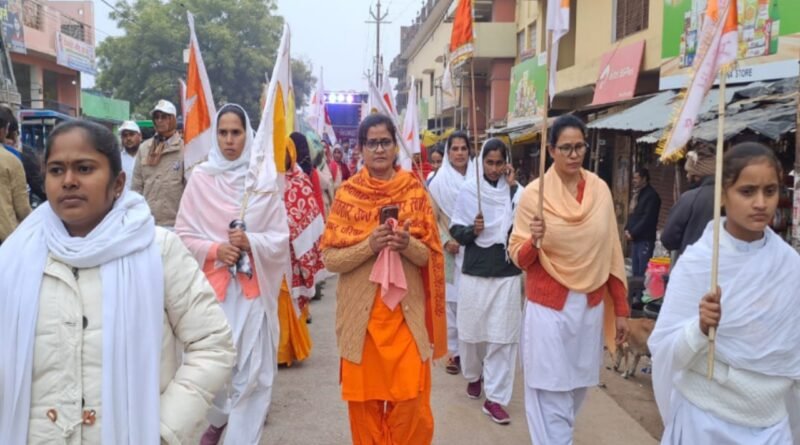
(101,107)
(769,40)
(526,95)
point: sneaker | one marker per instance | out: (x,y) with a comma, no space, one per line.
(496,413)
(212,435)
(474,389)
(453,365)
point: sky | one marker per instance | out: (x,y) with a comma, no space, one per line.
(327,33)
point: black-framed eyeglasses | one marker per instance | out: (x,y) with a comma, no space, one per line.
(373,144)
(578,148)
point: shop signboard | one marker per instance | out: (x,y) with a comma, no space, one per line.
(769,40)
(526,95)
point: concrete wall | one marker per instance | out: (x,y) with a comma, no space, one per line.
(593,35)
(425,59)
(44,40)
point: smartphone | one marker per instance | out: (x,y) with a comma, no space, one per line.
(389,212)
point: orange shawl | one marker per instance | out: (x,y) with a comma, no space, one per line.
(581,247)
(355,215)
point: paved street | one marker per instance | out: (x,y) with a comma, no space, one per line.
(307,408)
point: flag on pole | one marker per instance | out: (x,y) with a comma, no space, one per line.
(448,88)
(558,23)
(462,39)
(718,43)
(386,93)
(378,104)
(410,129)
(183,96)
(198,106)
(269,147)
(319,119)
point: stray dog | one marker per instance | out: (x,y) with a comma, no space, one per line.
(640,330)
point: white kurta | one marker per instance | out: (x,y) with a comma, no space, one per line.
(692,425)
(562,350)
(489,309)
(245,404)
(128,162)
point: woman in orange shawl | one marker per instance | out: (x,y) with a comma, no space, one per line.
(386,343)
(576,284)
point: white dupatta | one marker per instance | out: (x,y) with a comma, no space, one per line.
(497,205)
(758,330)
(123,246)
(447,183)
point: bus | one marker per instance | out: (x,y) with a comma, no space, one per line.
(36,125)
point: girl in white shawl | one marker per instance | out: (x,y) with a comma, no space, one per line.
(93,300)
(489,309)
(755,312)
(444,188)
(216,195)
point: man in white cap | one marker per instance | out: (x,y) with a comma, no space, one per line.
(131,137)
(158,172)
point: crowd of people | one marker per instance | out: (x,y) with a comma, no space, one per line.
(142,299)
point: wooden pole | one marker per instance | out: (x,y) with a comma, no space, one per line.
(475,133)
(712,332)
(543,142)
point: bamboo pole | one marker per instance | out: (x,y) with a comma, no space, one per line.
(475,133)
(543,141)
(712,332)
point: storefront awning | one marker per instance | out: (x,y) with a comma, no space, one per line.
(654,113)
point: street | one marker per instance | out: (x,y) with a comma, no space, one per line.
(307,408)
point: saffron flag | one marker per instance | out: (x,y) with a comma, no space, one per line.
(269,147)
(198,106)
(410,129)
(719,38)
(558,23)
(462,38)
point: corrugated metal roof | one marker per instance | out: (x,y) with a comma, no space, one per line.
(655,113)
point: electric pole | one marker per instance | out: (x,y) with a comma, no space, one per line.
(378,19)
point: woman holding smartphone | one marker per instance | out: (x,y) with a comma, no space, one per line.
(386,342)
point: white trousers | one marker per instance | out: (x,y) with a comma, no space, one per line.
(452,328)
(495,362)
(551,414)
(244,403)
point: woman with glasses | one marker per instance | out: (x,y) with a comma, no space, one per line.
(382,228)
(575,285)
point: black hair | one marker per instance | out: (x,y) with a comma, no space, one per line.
(644,173)
(459,134)
(495,144)
(7,118)
(747,153)
(303,152)
(230,108)
(562,123)
(98,136)
(373,120)
(438,148)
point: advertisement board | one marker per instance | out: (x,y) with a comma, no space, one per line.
(769,40)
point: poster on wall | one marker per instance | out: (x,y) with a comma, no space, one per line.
(526,92)
(11,22)
(769,40)
(75,54)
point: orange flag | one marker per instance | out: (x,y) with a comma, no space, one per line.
(462,39)
(198,106)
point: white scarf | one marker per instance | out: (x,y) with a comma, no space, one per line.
(217,164)
(123,246)
(446,184)
(497,205)
(758,330)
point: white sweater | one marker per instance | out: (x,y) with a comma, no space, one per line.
(738,396)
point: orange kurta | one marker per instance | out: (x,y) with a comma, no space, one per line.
(390,371)
(295,340)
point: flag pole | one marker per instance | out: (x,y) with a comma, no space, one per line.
(712,332)
(475,132)
(543,141)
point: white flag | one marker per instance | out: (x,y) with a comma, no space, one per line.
(410,133)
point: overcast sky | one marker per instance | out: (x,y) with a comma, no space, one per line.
(328,33)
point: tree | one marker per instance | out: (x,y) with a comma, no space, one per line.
(238,38)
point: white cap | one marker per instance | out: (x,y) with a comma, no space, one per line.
(165,107)
(129,126)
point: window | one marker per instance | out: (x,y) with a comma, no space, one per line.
(74,30)
(520,43)
(532,38)
(32,13)
(430,78)
(630,17)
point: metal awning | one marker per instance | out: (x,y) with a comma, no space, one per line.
(654,113)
